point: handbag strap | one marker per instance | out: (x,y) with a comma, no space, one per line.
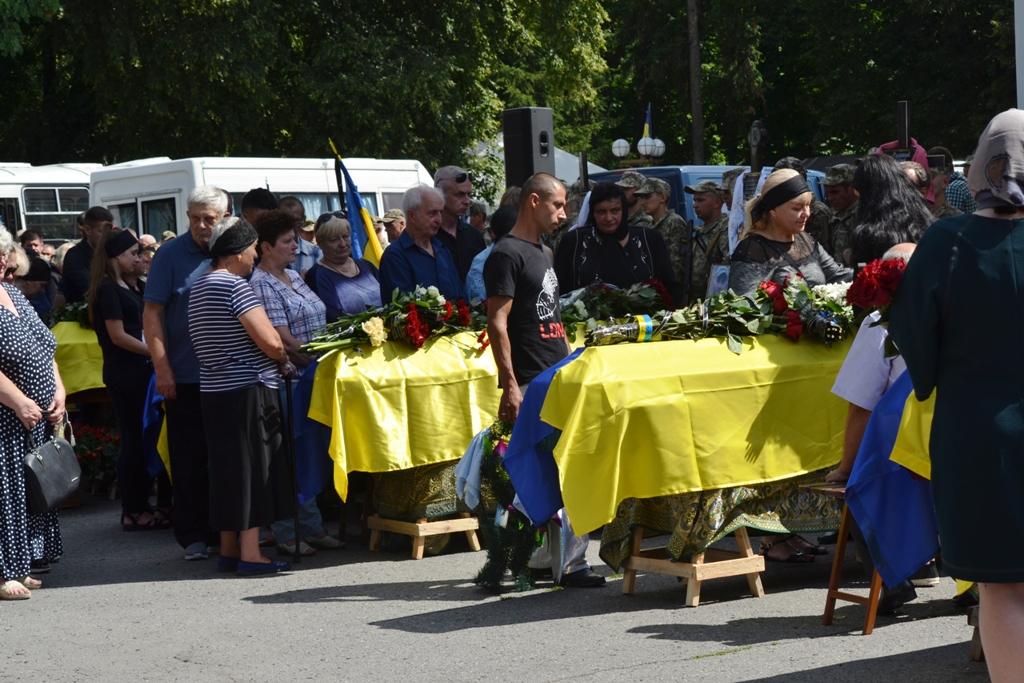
(65,428)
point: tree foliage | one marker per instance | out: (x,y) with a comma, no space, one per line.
(409,79)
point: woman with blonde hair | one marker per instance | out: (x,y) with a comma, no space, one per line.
(774,245)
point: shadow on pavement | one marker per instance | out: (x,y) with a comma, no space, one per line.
(944,663)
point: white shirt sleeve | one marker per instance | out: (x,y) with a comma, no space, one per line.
(866,373)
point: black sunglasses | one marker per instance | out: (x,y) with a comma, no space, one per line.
(459,178)
(324,217)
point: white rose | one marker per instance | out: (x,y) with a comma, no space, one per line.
(433,291)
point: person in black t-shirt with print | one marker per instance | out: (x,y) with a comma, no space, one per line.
(115,308)
(524,321)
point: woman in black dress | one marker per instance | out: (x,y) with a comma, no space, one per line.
(775,246)
(31,393)
(115,307)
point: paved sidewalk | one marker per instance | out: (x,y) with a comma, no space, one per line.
(126,607)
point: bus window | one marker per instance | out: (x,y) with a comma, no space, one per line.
(369,202)
(392,200)
(10,216)
(51,211)
(158,215)
(126,216)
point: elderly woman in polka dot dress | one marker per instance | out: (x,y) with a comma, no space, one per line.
(31,394)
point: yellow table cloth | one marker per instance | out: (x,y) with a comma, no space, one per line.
(78,357)
(393,408)
(911,447)
(647,420)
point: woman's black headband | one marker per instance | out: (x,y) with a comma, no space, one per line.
(234,240)
(119,242)
(779,195)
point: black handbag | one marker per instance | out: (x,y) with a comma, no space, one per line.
(52,473)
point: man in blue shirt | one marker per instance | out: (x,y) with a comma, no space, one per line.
(308,253)
(418,257)
(175,267)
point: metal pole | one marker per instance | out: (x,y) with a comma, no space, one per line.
(1018,40)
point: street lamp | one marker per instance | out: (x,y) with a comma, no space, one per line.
(648,147)
(620,148)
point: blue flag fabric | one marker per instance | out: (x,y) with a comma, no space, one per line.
(893,507)
(353,207)
(529,460)
(152,421)
(311,439)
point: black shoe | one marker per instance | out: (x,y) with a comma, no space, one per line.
(926,577)
(542,574)
(895,598)
(584,578)
(829,539)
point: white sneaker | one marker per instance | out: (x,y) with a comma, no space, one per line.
(325,542)
(196,551)
(289,549)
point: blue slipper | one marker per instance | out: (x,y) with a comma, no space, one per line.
(226,565)
(257,568)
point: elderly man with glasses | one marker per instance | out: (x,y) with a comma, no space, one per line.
(459,237)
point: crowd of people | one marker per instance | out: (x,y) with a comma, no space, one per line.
(220,316)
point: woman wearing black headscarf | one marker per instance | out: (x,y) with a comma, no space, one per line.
(958,320)
(241,357)
(607,250)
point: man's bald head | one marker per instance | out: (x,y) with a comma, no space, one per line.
(902,251)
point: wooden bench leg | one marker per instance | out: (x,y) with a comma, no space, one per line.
(872,606)
(837,567)
(977,651)
(629,576)
(419,542)
(754,579)
(474,542)
(693,583)
(374,537)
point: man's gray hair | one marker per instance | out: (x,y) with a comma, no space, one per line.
(6,241)
(209,195)
(413,197)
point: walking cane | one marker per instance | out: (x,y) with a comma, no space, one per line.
(289,445)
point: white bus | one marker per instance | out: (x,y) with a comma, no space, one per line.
(149,195)
(46,199)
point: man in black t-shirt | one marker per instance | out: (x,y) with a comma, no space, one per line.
(524,322)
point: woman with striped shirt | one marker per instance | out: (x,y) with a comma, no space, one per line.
(241,357)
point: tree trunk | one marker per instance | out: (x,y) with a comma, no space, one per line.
(696,107)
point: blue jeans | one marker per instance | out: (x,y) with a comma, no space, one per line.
(310,523)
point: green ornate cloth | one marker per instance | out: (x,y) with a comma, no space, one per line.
(694,521)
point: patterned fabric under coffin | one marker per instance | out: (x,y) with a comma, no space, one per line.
(423,492)
(696,520)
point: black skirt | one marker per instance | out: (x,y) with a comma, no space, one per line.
(250,476)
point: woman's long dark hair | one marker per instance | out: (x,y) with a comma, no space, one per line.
(890,210)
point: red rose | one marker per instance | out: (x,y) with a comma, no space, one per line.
(659,287)
(775,293)
(876,284)
(794,326)
(448,311)
(465,318)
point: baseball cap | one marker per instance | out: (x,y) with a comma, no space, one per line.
(631,180)
(655,186)
(840,174)
(456,173)
(308,225)
(392,215)
(168,234)
(703,186)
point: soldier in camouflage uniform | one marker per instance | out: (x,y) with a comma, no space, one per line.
(842,197)
(711,240)
(630,182)
(654,196)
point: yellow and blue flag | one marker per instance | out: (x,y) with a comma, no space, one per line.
(365,244)
(647,123)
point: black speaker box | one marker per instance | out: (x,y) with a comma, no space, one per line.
(529,143)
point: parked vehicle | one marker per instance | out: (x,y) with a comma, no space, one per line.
(149,195)
(46,199)
(679,177)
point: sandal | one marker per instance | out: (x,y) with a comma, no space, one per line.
(134,524)
(793,557)
(31,583)
(801,544)
(162,518)
(14,590)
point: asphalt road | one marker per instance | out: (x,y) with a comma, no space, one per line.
(126,607)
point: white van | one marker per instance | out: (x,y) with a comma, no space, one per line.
(46,199)
(149,195)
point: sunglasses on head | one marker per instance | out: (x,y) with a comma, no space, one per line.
(324,217)
(457,178)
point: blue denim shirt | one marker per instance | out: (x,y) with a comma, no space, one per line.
(475,289)
(175,268)
(307,256)
(404,265)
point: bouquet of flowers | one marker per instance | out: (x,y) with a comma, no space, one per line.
(601,300)
(793,309)
(410,317)
(875,286)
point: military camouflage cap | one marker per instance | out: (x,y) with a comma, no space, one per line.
(308,225)
(392,215)
(631,180)
(840,174)
(655,186)
(703,186)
